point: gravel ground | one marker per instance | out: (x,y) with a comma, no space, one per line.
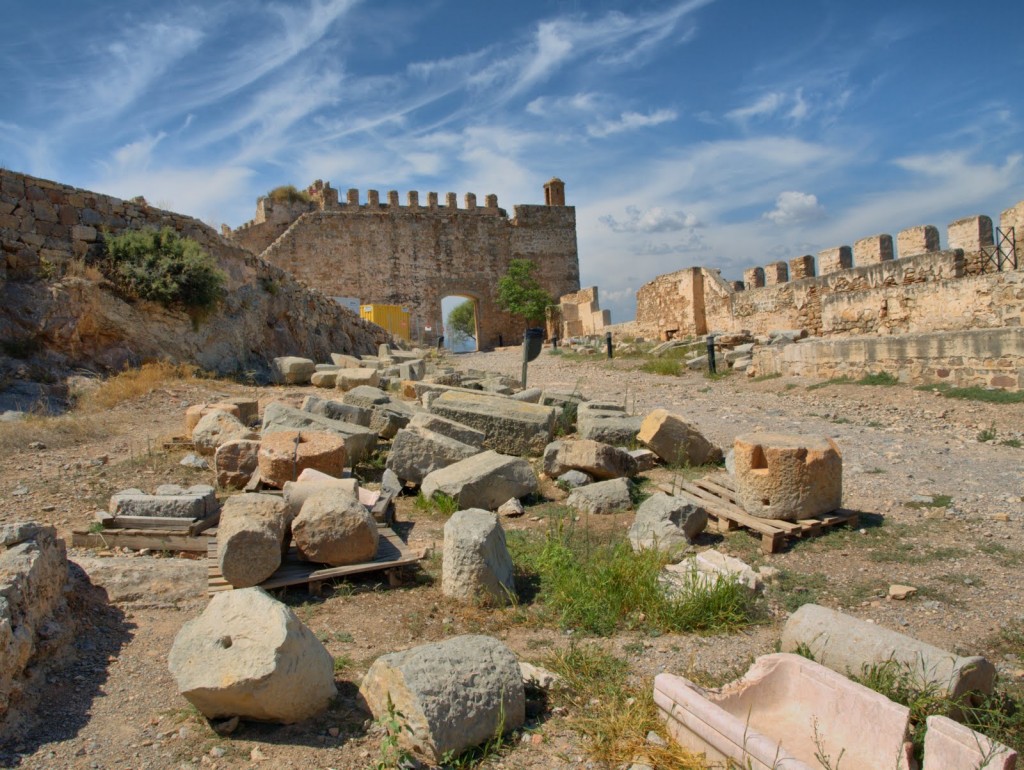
(108,701)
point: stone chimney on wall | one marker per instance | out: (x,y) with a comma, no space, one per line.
(554,192)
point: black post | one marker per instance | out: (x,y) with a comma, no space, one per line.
(554,343)
(440,342)
(711,354)
(608,343)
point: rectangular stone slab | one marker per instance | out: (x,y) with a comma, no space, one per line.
(511,427)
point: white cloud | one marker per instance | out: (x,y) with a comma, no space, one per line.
(763,107)
(795,207)
(137,154)
(652,220)
(628,121)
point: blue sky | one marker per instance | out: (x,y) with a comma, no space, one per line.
(727,133)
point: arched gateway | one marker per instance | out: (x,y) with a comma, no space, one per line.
(413,255)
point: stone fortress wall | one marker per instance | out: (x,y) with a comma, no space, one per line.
(414,255)
(879,287)
(865,289)
(48,231)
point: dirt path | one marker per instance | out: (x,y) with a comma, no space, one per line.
(113,704)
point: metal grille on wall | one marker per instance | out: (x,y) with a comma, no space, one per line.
(1002,255)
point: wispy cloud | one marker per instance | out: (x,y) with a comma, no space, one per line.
(653,220)
(629,121)
(764,106)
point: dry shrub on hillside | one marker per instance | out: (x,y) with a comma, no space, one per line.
(53,431)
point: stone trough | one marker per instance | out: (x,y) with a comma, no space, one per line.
(790,713)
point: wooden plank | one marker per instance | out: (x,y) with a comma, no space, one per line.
(772,543)
(722,508)
(205,524)
(155,540)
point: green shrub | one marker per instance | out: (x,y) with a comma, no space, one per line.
(880,378)
(598,587)
(162,266)
(288,193)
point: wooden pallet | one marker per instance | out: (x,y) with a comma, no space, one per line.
(716,494)
(154,532)
(392,552)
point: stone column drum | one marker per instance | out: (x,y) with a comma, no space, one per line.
(787,477)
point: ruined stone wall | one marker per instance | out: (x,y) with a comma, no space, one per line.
(862,289)
(50,296)
(580,314)
(962,358)
(414,255)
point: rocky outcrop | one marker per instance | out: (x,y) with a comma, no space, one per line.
(64,310)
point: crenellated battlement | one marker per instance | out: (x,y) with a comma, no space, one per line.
(879,285)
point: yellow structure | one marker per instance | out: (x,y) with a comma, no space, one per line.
(391,317)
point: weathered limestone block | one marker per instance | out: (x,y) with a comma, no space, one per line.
(334,528)
(601,497)
(293,370)
(416,452)
(33,572)
(235,462)
(353,378)
(387,419)
(847,645)
(972,234)
(753,278)
(324,379)
(675,441)
(785,712)
(343,361)
(216,428)
(872,250)
(835,259)
(666,523)
(949,745)
(360,442)
(169,501)
(449,428)
(283,455)
(337,410)
(511,427)
(483,481)
(248,408)
(573,479)
(249,656)
(412,370)
(776,273)
(708,567)
(251,537)
(530,395)
(801,267)
(922,239)
(454,694)
(366,397)
(787,477)
(197,411)
(602,461)
(476,564)
(645,459)
(310,482)
(607,423)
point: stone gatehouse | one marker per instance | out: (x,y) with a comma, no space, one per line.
(414,255)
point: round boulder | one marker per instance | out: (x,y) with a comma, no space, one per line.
(248,656)
(285,454)
(334,528)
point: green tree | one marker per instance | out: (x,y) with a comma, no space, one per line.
(462,322)
(519,292)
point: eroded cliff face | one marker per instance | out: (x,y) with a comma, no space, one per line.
(58,312)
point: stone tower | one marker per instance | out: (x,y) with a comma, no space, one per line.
(554,192)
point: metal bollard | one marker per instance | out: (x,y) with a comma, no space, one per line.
(711,354)
(608,343)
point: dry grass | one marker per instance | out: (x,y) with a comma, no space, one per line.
(88,421)
(137,382)
(56,432)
